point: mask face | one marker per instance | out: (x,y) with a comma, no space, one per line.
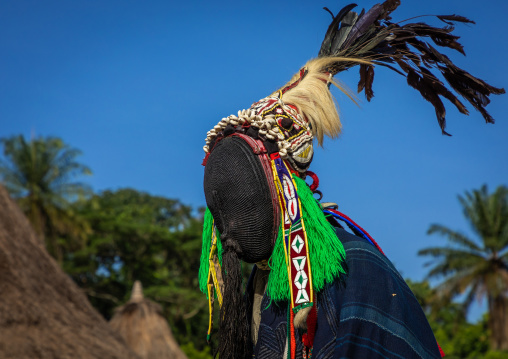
(296,141)
(238,194)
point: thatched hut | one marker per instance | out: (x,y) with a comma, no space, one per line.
(146,331)
(43,314)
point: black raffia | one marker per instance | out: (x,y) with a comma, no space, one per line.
(234,332)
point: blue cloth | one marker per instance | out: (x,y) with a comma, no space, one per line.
(369,314)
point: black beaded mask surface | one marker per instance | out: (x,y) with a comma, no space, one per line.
(239,196)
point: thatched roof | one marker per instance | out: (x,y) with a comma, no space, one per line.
(145,330)
(43,314)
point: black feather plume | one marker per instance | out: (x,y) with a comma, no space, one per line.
(333,30)
(406,49)
(366,80)
(389,6)
(363,24)
(450,19)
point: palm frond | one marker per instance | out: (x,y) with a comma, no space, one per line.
(40,174)
(467,267)
(488,216)
(449,252)
(459,284)
(454,237)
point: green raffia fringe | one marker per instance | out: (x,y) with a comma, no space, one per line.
(326,252)
(278,285)
(327,255)
(205,251)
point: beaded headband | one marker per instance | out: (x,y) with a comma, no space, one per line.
(277,124)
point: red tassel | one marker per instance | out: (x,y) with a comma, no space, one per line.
(305,340)
(293,339)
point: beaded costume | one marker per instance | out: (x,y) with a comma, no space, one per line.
(312,292)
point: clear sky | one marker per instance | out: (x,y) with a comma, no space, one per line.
(137,84)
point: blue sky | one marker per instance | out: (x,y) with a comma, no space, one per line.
(136,85)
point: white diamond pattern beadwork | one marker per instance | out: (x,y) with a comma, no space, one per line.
(299,263)
(301,278)
(297,244)
(302,296)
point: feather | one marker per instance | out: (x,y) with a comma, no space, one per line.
(440,89)
(449,19)
(363,24)
(389,67)
(347,24)
(474,90)
(440,36)
(422,85)
(366,80)
(389,6)
(332,30)
(410,49)
(345,10)
(330,12)
(368,83)
(363,78)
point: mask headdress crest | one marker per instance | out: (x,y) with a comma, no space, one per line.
(271,144)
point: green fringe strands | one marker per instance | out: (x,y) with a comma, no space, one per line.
(326,252)
(278,284)
(205,251)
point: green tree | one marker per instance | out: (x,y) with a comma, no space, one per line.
(137,236)
(457,337)
(477,267)
(39,174)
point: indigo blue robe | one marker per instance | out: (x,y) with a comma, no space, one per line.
(371,313)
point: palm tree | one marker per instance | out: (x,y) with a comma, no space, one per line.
(38,174)
(477,267)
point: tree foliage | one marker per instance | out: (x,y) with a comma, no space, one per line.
(137,236)
(106,241)
(477,267)
(40,175)
(457,337)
